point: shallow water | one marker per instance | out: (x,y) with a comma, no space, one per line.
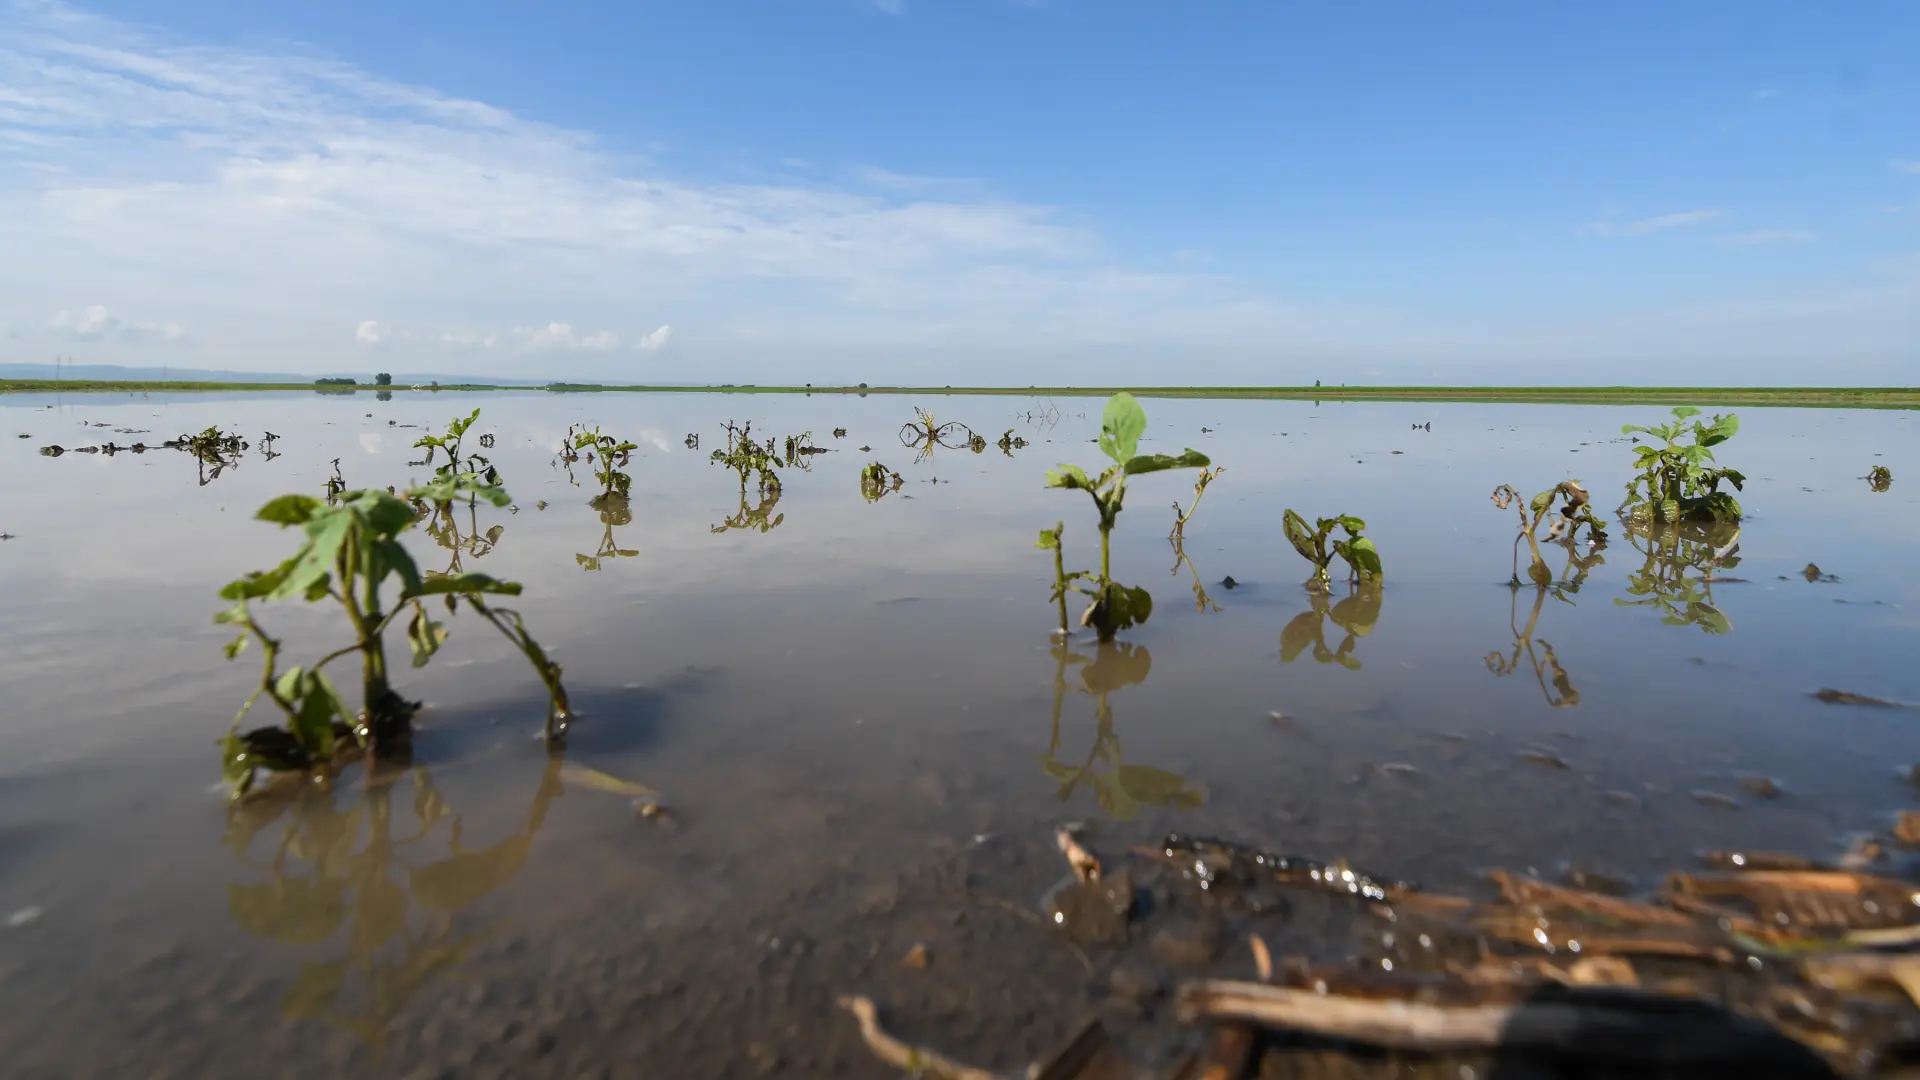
(852,715)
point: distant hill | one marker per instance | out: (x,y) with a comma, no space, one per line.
(121,373)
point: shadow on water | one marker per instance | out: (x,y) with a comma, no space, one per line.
(368,885)
(1120,789)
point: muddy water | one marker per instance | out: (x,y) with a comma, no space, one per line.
(863,728)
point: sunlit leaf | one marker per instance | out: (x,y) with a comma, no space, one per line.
(1684,411)
(467,583)
(1121,425)
(1364,557)
(1070,477)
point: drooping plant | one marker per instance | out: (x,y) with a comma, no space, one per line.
(349,551)
(1318,546)
(1575,511)
(449,459)
(1562,695)
(1009,442)
(744,455)
(1680,482)
(924,434)
(1181,517)
(1879,478)
(1115,606)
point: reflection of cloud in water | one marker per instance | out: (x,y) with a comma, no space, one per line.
(373,442)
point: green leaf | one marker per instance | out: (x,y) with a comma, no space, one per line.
(1070,477)
(424,636)
(236,646)
(1300,536)
(1541,503)
(1363,556)
(1352,524)
(290,510)
(1684,411)
(1538,573)
(327,532)
(1152,463)
(235,768)
(316,707)
(1049,539)
(465,583)
(1722,429)
(1667,510)
(1121,426)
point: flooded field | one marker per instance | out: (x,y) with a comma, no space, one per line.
(863,734)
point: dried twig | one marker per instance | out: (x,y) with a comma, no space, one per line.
(1599,1023)
(912,1059)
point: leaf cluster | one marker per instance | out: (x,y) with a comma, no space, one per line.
(1680,481)
(349,550)
(450,460)
(1575,511)
(1318,545)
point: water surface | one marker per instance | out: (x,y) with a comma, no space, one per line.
(862,723)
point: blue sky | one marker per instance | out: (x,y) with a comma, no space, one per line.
(949,191)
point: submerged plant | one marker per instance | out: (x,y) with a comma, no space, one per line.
(349,551)
(1114,606)
(925,433)
(449,460)
(1318,546)
(1201,601)
(1682,482)
(876,481)
(1575,511)
(1356,614)
(798,448)
(1879,478)
(1009,442)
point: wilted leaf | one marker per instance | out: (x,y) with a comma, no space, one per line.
(466,583)
(1363,556)
(586,776)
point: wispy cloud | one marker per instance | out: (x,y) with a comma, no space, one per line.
(559,335)
(1907,166)
(1766,94)
(96,322)
(655,340)
(1759,237)
(1647,226)
(891,7)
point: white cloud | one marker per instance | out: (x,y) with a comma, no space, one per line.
(559,335)
(655,340)
(471,339)
(1758,237)
(1644,226)
(367,333)
(96,322)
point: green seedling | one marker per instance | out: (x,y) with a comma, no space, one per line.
(1009,442)
(1879,478)
(798,448)
(1357,615)
(348,553)
(1114,606)
(1677,577)
(1121,790)
(1564,526)
(1681,482)
(1318,546)
(609,457)
(876,481)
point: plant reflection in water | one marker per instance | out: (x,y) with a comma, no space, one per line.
(1356,614)
(1681,566)
(1120,789)
(382,880)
